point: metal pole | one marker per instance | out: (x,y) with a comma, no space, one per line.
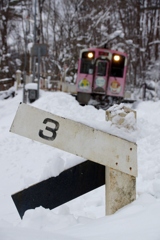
(35,13)
(24,73)
(39,60)
(35,36)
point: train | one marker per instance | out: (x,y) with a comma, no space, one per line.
(101,77)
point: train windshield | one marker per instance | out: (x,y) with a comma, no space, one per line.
(117,65)
(86,66)
(101,68)
(87,62)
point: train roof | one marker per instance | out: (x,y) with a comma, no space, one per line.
(105,50)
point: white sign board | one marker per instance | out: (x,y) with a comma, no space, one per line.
(76,138)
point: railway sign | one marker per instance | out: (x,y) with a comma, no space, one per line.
(118,155)
(39,49)
(75,138)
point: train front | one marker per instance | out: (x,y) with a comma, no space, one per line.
(101,75)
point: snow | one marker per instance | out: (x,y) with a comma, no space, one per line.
(29,86)
(25,162)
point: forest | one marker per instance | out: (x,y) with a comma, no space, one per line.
(66,27)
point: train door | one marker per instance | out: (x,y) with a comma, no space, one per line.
(100,76)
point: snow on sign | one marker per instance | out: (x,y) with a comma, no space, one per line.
(75,138)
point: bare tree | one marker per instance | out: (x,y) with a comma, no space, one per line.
(8,13)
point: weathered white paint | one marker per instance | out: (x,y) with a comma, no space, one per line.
(120,190)
(120,186)
(78,139)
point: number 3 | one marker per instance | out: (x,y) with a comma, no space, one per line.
(52,130)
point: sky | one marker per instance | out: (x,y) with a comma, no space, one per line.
(25,162)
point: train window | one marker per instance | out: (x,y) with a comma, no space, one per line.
(101,69)
(88,54)
(86,66)
(117,65)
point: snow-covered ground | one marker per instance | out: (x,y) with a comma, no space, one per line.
(25,162)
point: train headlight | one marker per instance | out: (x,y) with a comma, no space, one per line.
(90,55)
(116,58)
